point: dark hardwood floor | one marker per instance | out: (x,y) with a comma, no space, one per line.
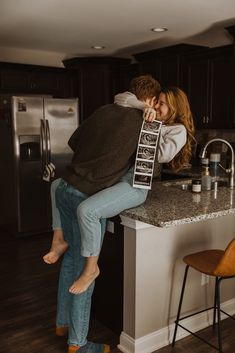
(28,305)
(28,289)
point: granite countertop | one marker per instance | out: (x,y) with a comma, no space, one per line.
(168,205)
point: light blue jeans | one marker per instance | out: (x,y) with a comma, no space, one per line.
(104,204)
(72,310)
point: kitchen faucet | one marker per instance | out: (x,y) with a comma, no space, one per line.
(230,170)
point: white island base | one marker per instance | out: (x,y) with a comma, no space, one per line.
(153,275)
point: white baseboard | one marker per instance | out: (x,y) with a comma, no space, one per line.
(163,337)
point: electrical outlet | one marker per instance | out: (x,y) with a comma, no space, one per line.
(205,279)
(110,227)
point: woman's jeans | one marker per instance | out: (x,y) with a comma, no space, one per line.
(72,310)
(104,204)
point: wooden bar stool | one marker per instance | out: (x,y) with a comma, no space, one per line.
(217,263)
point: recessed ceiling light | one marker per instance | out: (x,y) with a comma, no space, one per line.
(98,47)
(159,29)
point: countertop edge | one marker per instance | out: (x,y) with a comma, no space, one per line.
(167,224)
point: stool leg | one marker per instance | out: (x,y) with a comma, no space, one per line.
(218,313)
(180,304)
(215,303)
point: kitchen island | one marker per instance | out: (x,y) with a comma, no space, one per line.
(171,223)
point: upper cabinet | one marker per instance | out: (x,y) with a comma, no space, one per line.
(205,74)
(27,79)
(95,83)
(209,85)
(122,76)
(166,64)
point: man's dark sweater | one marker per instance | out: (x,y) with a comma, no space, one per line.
(104,148)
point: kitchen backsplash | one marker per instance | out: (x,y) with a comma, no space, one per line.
(202,136)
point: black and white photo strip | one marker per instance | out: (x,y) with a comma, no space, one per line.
(146,151)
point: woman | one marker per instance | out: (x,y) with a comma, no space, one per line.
(173,109)
(174,148)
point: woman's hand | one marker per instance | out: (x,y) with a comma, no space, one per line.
(149,114)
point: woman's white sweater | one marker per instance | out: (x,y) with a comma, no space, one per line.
(172,138)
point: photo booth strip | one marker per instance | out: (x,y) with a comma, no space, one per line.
(145,155)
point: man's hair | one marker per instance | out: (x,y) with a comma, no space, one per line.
(145,86)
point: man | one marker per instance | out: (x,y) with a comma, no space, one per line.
(104,150)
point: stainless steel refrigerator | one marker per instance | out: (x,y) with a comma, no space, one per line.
(34,134)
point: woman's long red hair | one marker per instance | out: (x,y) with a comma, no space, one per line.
(180,112)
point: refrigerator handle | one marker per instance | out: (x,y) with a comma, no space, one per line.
(43,144)
(48,142)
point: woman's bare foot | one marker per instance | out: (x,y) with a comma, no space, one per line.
(84,281)
(58,248)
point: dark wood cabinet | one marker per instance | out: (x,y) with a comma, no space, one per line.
(221,97)
(209,82)
(151,66)
(27,79)
(122,76)
(207,76)
(166,64)
(95,83)
(197,89)
(107,300)
(46,81)
(14,80)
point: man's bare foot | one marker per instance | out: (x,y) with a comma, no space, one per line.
(84,281)
(58,247)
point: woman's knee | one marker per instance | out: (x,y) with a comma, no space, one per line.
(142,194)
(86,211)
(130,191)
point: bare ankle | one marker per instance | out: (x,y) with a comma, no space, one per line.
(91,270)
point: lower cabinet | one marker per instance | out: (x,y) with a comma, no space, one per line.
(107,300)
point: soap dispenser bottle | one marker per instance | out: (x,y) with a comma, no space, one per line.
(206,179)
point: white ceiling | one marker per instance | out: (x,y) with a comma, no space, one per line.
(71,27)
